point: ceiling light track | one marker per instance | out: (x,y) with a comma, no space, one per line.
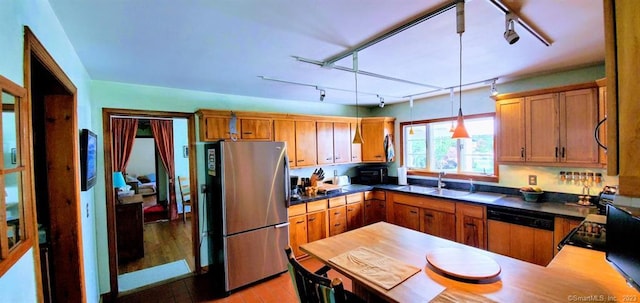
(324,88)
(540,36)
(394,31)
(364,73)
(485,82)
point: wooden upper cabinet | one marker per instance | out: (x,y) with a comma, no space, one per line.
(285,131)
(215,128)
(305,143)
(356,149)
(324,133)
(510,130)
(341,142)
(255,129)
(373,134)
(541,125)
(578,120)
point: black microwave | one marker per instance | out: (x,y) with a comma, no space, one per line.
(371,174)
(622,251)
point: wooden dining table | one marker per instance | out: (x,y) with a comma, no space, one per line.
(569,280)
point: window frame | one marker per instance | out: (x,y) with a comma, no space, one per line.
(461,176)
(9,256)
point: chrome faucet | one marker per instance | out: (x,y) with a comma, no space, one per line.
(440,183)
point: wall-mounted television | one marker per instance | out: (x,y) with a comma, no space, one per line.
(88,158)
(623,252)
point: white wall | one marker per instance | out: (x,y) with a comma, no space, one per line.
(19,281)
(141,161)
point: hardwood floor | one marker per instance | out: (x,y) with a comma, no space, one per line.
(164,242)
(198,289)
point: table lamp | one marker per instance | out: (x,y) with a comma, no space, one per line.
(118,181)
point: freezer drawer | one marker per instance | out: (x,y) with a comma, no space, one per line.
(256,254)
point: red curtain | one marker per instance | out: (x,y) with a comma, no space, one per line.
(163,135)
(124,134)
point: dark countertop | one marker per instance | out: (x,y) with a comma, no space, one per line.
(563,209)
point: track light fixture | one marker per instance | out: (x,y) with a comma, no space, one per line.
(494,89)
(381,102)
(322,94)
(509,28)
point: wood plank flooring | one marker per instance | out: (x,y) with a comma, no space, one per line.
(164,242)
(198,289)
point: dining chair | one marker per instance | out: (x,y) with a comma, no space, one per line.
(185,193)
(316,287)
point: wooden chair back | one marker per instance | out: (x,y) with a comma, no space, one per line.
(185,193)
(314,287)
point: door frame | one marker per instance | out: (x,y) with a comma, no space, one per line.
(107,114)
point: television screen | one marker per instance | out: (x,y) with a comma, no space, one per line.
(622,249)
(88,158)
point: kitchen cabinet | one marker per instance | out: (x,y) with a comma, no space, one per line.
(255,129)
(324,143)
(316,226)
(285,131)
(337,220)
(333,142)
(622,44)
(429,215)
(406,216)
(305,143)
(561,228)
(341,142)
(470,225)
(216,127)
(356,149)
(355,211)
(602,116)
(297,228)
(554,128)
(521,242)
(374,206)
(438,223)
(374,131)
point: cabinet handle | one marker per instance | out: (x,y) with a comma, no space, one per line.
(413,212)
(248,133)
(522,153)
(336,213)
(300,161)
(299,222)
(562,152)
(470,225)
(311,219)
(328,159)
(428,215)
(337,224)
(350,209)
(378,156)
(353,157)
(556,152)
(337,158)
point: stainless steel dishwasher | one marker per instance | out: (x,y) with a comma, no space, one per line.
(521,234)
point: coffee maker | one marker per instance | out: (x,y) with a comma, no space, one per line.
(295,190)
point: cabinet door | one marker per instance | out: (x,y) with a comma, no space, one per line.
(439,224)
(285,131)
(217,128)
(356,149)
(374,211)
(498,237)
(542,126)
(341,142)
(578,120)
(407,216)
(305,143)
(373,141)
(470,225)
(510,130)
(355,215)
(297,233)
(561,228)
(256,129)
(337,220)
(316,226)
(324,143)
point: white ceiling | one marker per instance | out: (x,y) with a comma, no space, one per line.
(223,46)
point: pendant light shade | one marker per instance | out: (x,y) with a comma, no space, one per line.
(357,137)
(460,132)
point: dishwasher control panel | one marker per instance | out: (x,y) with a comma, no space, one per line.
(520,217)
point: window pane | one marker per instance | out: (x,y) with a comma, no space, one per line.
(416,146)
(9,134)
(13,199)
(443,151)
(477,152)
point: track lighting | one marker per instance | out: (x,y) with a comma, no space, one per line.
(381,102)
(509,28)
(322,94)
(494,89)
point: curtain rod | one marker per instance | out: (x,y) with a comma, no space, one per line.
(144,118)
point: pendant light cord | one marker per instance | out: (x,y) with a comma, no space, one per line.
(460,87)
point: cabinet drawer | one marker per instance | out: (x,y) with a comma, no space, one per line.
(298,209)
(316,205)
(355,198)
(379,194)
(337,201)
(471,210)
(337,220)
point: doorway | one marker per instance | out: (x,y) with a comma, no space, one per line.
(164,239)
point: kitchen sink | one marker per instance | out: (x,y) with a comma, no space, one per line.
(417,189)
(449,192)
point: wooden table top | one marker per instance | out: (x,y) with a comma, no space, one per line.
(137,198)
(566,279)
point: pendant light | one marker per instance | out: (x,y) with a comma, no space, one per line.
(411,115)
(460,132)
(357,137)
(453,127)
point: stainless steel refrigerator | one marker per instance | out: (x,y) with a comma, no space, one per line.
(247,202)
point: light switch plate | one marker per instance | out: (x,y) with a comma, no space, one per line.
(533,180)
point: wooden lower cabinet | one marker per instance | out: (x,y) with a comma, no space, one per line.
(337,220)
(297,233)
(561,228)
(470,225)
(375,209)
(406,216)
(521,242)
(355,215)
(316,226)
(438,223)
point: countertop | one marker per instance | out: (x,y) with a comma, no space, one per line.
(563,209)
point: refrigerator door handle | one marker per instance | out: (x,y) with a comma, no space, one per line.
(287,181)
(281,225)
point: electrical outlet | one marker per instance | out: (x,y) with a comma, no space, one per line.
(533,180)
(203,188)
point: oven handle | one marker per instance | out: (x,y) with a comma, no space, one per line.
(566,238)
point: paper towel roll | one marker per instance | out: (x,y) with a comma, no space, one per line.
(402,175)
